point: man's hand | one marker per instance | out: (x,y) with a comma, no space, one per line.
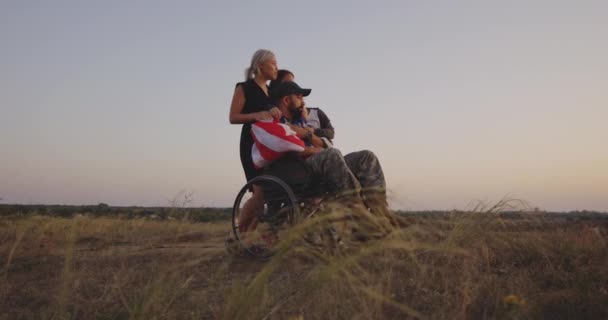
(308,133)
(304,112)
(301,132)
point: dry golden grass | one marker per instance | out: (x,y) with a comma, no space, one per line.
(475,265)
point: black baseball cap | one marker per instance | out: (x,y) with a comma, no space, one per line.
(288,87)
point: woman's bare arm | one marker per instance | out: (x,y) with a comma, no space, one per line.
(236,108)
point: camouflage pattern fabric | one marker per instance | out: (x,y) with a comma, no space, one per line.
(366,168)
(351,174)
(358,182)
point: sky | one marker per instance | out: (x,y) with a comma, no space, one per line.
(126,102)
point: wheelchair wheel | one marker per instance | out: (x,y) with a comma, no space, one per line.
(258,230)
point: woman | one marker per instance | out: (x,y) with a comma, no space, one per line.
(316,120)
(283,75)
(251,103)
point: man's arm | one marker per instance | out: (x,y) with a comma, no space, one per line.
(301,132)
(307,135)
(309,151)
(310,138)
(316,141)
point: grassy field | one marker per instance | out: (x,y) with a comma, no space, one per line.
(461,265)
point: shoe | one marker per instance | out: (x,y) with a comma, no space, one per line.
(259,252)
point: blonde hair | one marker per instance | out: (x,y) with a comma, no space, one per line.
(258,58)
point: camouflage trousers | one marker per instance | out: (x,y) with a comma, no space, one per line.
(349,175)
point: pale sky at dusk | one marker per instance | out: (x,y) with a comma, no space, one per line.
(126,102)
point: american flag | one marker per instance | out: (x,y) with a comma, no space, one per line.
(272,140)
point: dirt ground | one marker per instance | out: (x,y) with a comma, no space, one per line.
(107,268)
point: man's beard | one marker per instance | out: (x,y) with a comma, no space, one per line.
(296,113)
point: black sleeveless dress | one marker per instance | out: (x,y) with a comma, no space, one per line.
(255,101)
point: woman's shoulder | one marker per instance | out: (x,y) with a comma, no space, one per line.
(244,84)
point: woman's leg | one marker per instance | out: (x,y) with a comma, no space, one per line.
(252,207)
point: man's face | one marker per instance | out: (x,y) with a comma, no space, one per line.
(296,105)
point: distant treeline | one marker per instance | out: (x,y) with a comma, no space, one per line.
(569,215)
(102,209)
(223,214)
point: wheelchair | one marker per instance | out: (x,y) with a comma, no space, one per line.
(291,193)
